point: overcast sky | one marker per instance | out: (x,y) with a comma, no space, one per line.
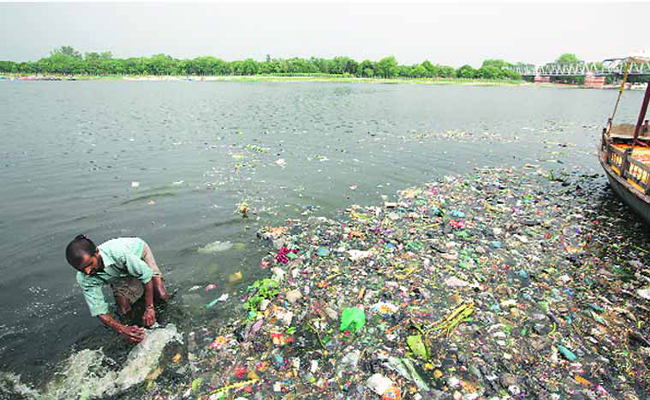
(451,34)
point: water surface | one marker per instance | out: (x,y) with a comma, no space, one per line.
(72,150)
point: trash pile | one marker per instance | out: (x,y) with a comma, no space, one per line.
(499,284)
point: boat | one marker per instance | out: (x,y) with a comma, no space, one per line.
(624,152)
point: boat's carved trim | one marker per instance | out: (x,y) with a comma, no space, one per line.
(630,173)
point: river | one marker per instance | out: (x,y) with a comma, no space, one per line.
(172,161)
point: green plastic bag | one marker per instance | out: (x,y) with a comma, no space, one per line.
(353,319)
(417,346)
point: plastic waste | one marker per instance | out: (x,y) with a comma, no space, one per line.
(379,384)
(417,346)
(353,319)
(568,354)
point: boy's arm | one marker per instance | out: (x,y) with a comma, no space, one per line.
(133,334)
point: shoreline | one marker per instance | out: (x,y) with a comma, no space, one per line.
(268,78)
(298,78)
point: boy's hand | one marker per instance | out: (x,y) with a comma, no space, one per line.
(133,334)
(149,316)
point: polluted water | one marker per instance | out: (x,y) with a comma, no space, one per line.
(502,283)
(90,374)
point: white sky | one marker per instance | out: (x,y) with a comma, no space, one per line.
(444,33)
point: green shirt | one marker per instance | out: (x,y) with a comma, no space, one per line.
(122,258)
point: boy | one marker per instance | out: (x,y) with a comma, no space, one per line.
(128,265)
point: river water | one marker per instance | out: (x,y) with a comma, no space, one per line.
(72,151)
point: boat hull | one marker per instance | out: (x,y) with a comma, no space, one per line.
(637,202)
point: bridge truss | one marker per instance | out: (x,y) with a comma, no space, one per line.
(606,68)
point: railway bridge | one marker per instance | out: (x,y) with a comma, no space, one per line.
(609,67)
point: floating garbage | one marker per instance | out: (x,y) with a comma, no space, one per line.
(353,319)
(235,277)
(503,283)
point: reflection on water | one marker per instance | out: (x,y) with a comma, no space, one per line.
(71,151)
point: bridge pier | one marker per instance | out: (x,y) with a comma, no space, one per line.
(594,81)
(542,79)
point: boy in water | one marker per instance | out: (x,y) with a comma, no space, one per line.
(128,265)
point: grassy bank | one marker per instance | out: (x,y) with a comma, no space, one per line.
(276,78)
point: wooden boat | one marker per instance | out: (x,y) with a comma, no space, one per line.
(624,153)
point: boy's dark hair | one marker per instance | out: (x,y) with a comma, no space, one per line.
(79,247)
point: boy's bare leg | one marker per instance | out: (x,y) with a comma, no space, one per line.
(123,305)
(159,289)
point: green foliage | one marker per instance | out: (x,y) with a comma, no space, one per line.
(66,51)
(567,58)
(387,67)
(447,72)
(68,61)
(489,72)
(418,71)
(431,69)
(466,71)
(93,56)
(499,64)
(366,68)
(261,289)
(510,74)
(7,66)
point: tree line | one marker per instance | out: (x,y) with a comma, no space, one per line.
(68,61)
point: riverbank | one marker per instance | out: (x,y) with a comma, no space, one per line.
(272,78)
(300,78)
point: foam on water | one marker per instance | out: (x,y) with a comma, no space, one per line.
(215,247)
(12,388)
(87,374)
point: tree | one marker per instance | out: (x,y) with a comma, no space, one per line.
(466,71)
(567,58)
(351,66)
(446,71)
(92,56)
(430,68)
(250,67)
(405,71)
(366,68)
(498,64)
(6,66)
(387,67)
(66,51)
(488,72)
(418,71)
(510,74)
(162,64)
(67,60)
